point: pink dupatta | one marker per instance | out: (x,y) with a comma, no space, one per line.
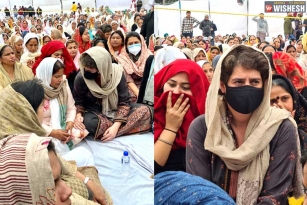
(137,67)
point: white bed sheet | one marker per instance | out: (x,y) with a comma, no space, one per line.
(138,189)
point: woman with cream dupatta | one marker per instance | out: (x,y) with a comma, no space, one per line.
(26,124)
(102,98)
(31,46)
(10,69)
(243,145)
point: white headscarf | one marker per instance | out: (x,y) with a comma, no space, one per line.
(44,73)
(167,55)
(201,63)
(28,55)
(27,38)
(196,52)
(47,29)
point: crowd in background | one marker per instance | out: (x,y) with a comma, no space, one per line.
(66,77)
(219,102)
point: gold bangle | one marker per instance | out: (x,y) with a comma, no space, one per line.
(166,142)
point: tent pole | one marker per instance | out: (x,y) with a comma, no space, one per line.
(209,9)
(11,7)
(247,5)
(180,13)
(61,6)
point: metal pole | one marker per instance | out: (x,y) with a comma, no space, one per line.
(61,6)
(11,11)
(209,9)
(247,4)
(180,12)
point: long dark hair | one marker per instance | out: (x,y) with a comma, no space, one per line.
(32,90)
(120,34)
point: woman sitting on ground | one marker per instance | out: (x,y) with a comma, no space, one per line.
(31,46)
(116,44)
(287,66)
(178,101)
(199,54)
(133,60)
(285,96)
(16,43)
(82,36)
(242,144)
(57,49)
(214,50)
(72,48)
(10,69)
(59,107)
(27,123)
(207,68)
(102,98)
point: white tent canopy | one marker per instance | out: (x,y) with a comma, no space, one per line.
(54,6)
(169,21)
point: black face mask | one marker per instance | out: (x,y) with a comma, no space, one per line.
(90,76)
(245,99)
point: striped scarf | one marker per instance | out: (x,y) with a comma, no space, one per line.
(25,172)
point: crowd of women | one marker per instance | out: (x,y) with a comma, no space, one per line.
(64,79)
(230,116)
(229,113)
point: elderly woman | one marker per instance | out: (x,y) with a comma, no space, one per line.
(133,60)
(16,43)
(32,152)
(178,101)
(10,69)
(102,98)
(31,45)
(242,144)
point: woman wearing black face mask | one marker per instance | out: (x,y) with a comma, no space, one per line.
(102,98)
(249,149)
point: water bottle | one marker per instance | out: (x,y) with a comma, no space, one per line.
(125,163)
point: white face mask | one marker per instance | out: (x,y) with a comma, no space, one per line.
(217,44)
(134,49)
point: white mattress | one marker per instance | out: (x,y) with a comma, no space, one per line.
(138,189)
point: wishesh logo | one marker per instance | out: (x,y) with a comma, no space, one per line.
(268,8)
